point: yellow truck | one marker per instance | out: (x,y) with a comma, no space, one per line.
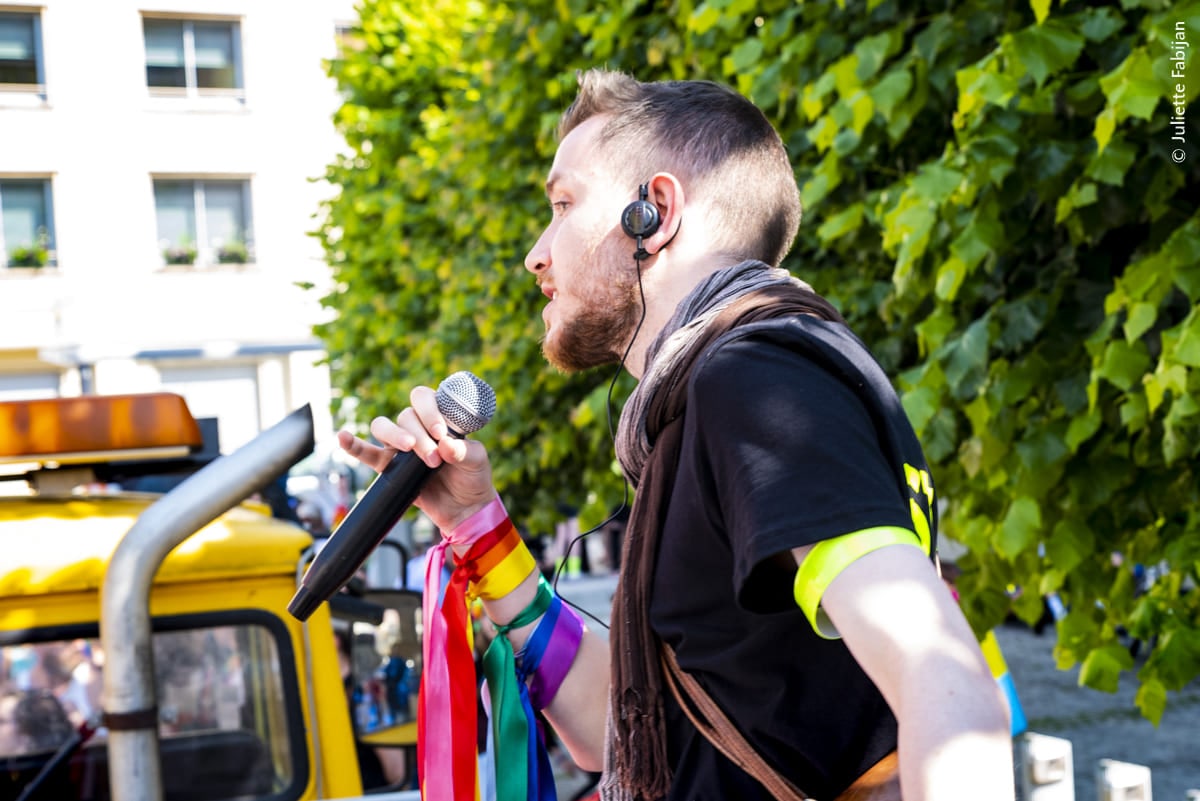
(146,651)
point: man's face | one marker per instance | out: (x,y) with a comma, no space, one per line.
(583,260)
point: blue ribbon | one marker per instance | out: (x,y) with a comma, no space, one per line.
(541,780)
(501,670)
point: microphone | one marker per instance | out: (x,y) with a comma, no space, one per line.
(467,403)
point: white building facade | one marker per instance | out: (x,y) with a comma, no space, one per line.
(160,169)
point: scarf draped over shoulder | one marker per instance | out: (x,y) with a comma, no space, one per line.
(648,447)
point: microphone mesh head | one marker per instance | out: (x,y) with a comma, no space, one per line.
(466,401)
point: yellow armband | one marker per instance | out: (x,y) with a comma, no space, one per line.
(829,558)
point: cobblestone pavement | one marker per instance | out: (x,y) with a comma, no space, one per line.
(1101,725)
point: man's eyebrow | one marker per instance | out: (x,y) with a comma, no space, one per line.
(550,184)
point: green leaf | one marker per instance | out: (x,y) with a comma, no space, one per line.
(910,221)
(1178,657)
(745,56)
(1106,123)
(967,364)
(822,133)
(970,456)
(1070,544)
(949,278)
(1052,582)
(872,52)
(1041,9)
(936,182)
(1133,412)
(1187,345)
(1080,195)
(1187,278)
(979,238)
(1020,529)
(891,89)
(1045,49)
(862,108)
(1029,606)
(705,17)
(1101,670)
(1100,23)
(824,180)
(1020,323)
(1042,449)
(1151,699)
(920,405)
(940,436)
(930,42)
(932,332)
(1139,320)
(1132,88)
(1082,428)
(845,75)
(1166,378)
(1123,363)
(845,221)
(1110,164)
(812,100)
(979,87)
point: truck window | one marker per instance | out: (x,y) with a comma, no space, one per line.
(226,724)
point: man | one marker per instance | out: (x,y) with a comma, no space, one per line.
(770,551)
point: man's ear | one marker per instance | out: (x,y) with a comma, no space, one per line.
(666,193)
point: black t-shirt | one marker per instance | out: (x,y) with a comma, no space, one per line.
(777,453)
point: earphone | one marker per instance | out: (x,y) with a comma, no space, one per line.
(640,219)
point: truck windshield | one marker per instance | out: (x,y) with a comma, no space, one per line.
(223,714)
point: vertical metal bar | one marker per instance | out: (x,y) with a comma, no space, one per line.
(125,633)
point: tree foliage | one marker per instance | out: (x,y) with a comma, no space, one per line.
(991,199)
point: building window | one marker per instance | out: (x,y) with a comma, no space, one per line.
(20,52)
(204,221)
(26,222)
(193,57)
(349,39)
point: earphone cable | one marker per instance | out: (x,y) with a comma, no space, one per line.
(613,436)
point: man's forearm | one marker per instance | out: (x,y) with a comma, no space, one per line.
(965,755)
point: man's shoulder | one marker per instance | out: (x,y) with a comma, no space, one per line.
(767,353)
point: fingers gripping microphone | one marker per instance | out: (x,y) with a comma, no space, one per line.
(467,403)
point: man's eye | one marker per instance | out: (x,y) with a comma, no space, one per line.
(559,206)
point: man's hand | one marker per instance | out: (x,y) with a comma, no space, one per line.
(461,486)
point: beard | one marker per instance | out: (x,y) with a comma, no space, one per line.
(600,332)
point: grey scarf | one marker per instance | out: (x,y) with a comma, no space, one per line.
(635,760)
(694,312)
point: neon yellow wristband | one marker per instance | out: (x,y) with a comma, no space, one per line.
(829,558)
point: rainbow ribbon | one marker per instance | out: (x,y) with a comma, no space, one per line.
(447,722)
(447,719)
(496,562)
(517,736)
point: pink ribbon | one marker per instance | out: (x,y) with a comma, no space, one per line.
(447,708)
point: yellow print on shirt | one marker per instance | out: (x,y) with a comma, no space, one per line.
(920,484)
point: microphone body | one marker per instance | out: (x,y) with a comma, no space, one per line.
(467,402)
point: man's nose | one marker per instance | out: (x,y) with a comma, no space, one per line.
(538,257)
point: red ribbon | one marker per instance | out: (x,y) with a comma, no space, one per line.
(447,724)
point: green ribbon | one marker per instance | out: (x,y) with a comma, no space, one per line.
(510,725)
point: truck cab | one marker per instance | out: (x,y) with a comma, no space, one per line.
(224,695)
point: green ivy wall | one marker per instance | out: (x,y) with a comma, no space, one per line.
(993,197)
